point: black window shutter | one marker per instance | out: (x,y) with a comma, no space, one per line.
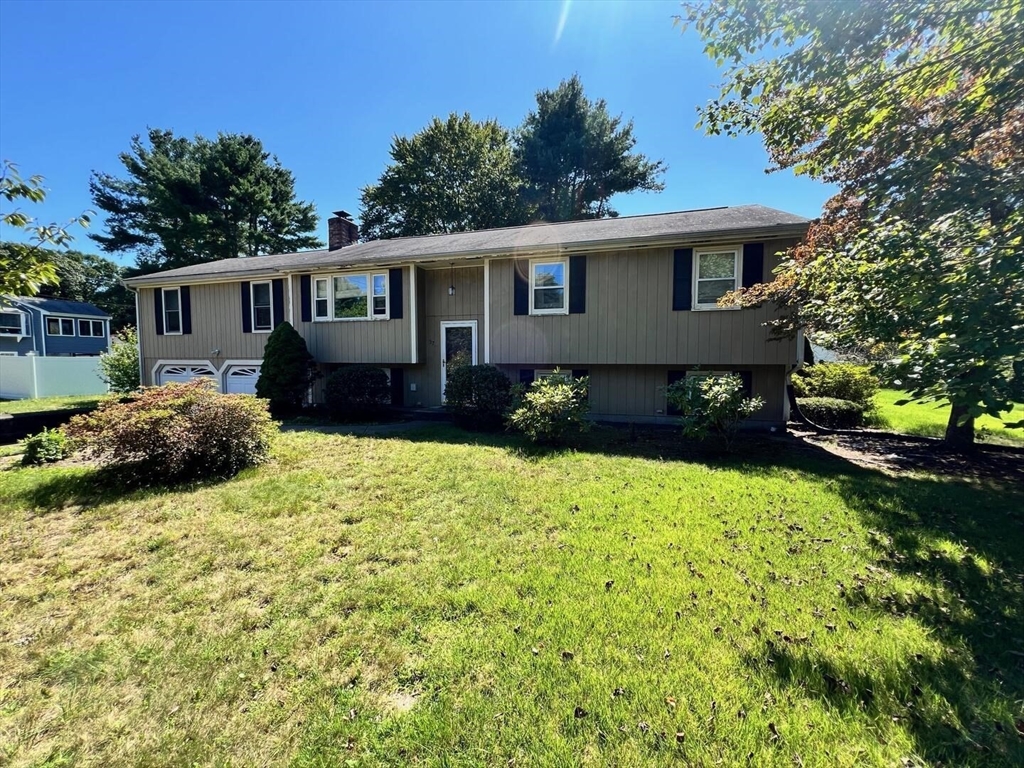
(526,376)
(577,285)
(158,306)
(306,292)
(753,264)
(186,309)
(397,387)
(682,279)
(395,292)
(521,269)
(673,377)
(747,377)
(277,288)
(246,308)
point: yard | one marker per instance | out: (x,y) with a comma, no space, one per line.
(443,599)
(37,404)
(929,419)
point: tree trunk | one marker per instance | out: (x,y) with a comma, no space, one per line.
(959,436)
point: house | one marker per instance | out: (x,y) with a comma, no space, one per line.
(629,301)
(52,327)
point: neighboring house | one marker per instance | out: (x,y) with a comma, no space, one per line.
(52,327)
(629,301)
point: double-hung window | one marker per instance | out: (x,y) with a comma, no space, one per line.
(172,310)
(12,324)
(351,297)
(90,328)
(60,326)
(715,273)
(548,287)
(262,307)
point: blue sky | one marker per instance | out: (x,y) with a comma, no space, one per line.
(326,85)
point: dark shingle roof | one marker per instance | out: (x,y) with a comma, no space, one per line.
(61,306)
(569,235)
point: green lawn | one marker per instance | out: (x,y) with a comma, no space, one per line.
(426,600)
(48,403)
(929,419)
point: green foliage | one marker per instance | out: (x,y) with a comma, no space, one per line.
(358,393)
(712,404)
(455,175)
(832,412)
(176,433)
(48,446)
(844,381)
(913,110)
(187,201)
(551,409)
(26,267)
(119,367)
(287,372)
(478,396)
(574,156)
(93,279)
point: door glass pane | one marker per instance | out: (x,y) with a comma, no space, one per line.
(350,296)
(458,346)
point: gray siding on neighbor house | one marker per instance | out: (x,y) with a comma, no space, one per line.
(629,320)
(381,342)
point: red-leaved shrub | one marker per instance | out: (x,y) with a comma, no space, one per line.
(175,433)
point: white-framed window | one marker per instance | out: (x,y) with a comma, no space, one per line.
(172,310)
(60,326)
(549,294)
(91,328)
(715,273)
(262,307)
(550,373)
(13,323)
(351,297)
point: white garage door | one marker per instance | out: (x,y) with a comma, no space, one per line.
(184,373)
(241,379)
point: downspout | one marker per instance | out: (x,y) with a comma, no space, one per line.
(138,333)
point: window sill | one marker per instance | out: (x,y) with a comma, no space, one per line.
(548,313)
(714,308)
(350,319)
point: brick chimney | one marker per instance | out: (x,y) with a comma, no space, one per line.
(341,231)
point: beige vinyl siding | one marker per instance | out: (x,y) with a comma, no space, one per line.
(437,305)
(380,342)
(216,326)
(629,320)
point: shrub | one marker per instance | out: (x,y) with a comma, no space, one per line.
(842,381)
(712,404)
(176,432)
(832,412)
(119,367)
(287,372)
(358,393)
(478,396)
(552,408)
(48,446)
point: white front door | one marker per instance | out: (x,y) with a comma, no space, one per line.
(458,347)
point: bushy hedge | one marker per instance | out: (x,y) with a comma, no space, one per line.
(48,446)
(478,396)
(119,367)
(175,433)
(712,404)
(842,381)
(358,393)
(552,408)
(287,372)
(832,412)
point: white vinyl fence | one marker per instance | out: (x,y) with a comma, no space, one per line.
(29,376)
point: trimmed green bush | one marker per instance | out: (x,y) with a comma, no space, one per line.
(478,396)
(176,433)
(287,372)
(358,393)
(48,446)
(712,404)
(832,412)
(552,408)
(842,381)
(119,367)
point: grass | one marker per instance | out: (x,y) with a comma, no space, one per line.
(929,419)
(440,599)
(48,403)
